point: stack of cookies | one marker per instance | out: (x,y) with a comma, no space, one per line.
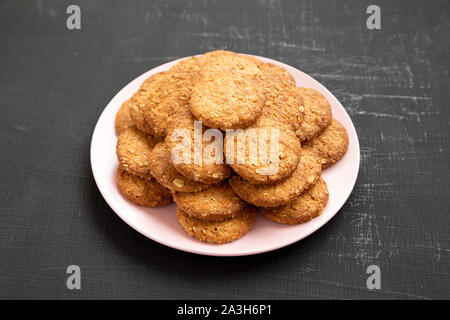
(259,104)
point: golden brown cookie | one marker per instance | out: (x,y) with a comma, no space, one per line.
(332,144)
(163,171)
(280,72)
(218,232)
(192,64)
(133,151)
(227,62)
(216,203)
(156,99)
(274,195)
(123,117)
(283,107)
(137,115)
(256,165)
(305,207)
(227,100)
(205,165)
(317,114)
(144,192)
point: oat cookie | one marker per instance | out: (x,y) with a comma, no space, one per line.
(192,64)
(158,96)
(227,101)
(133,151)
(213,204)
(144,192)
(123,117)
(247,143)
(218,232)
(163,171)
(332,144)
(279,72)
(283,107)
(305,207)
(274,195)
(317,115)
(203,171)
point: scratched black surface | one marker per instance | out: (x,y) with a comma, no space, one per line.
(394,83)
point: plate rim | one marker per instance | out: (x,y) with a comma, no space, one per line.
(142,231)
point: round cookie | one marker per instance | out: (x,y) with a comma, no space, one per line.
(216,203)
(137,116)
(192,64)
(218,232)
(133,151)
(332,144)
(253,168)
(162,170)
(139,103)
(279,72)
(123,118)
(227,101)
(274,195)
(158,96)
(317,115)
(283,107)
(193,164)
(144,192)
(305,207)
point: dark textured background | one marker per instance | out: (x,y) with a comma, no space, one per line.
(54,83)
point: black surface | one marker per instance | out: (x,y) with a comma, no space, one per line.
(54,83)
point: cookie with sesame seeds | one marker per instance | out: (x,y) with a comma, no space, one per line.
(184,142)
(305,207)
(244,152)
(227,100)
(332,144)
(143,192)
(317,115)
(162,170)
(274,195)
(123,118)
(218,232)
(133,151)
(215,203)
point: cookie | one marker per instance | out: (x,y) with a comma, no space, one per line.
(137,116)
(274,195)
(139,102)
(218,232)
(192,64)
(283,107)
(213,204)
(123,117)
(158,96)
(279,72)
(194,164)
(332,144)
(133,151)
(305,207)
(144,192)
(162,170)
(317,115)
(249,160)
(226,101)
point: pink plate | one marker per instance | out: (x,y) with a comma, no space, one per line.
(161,225)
